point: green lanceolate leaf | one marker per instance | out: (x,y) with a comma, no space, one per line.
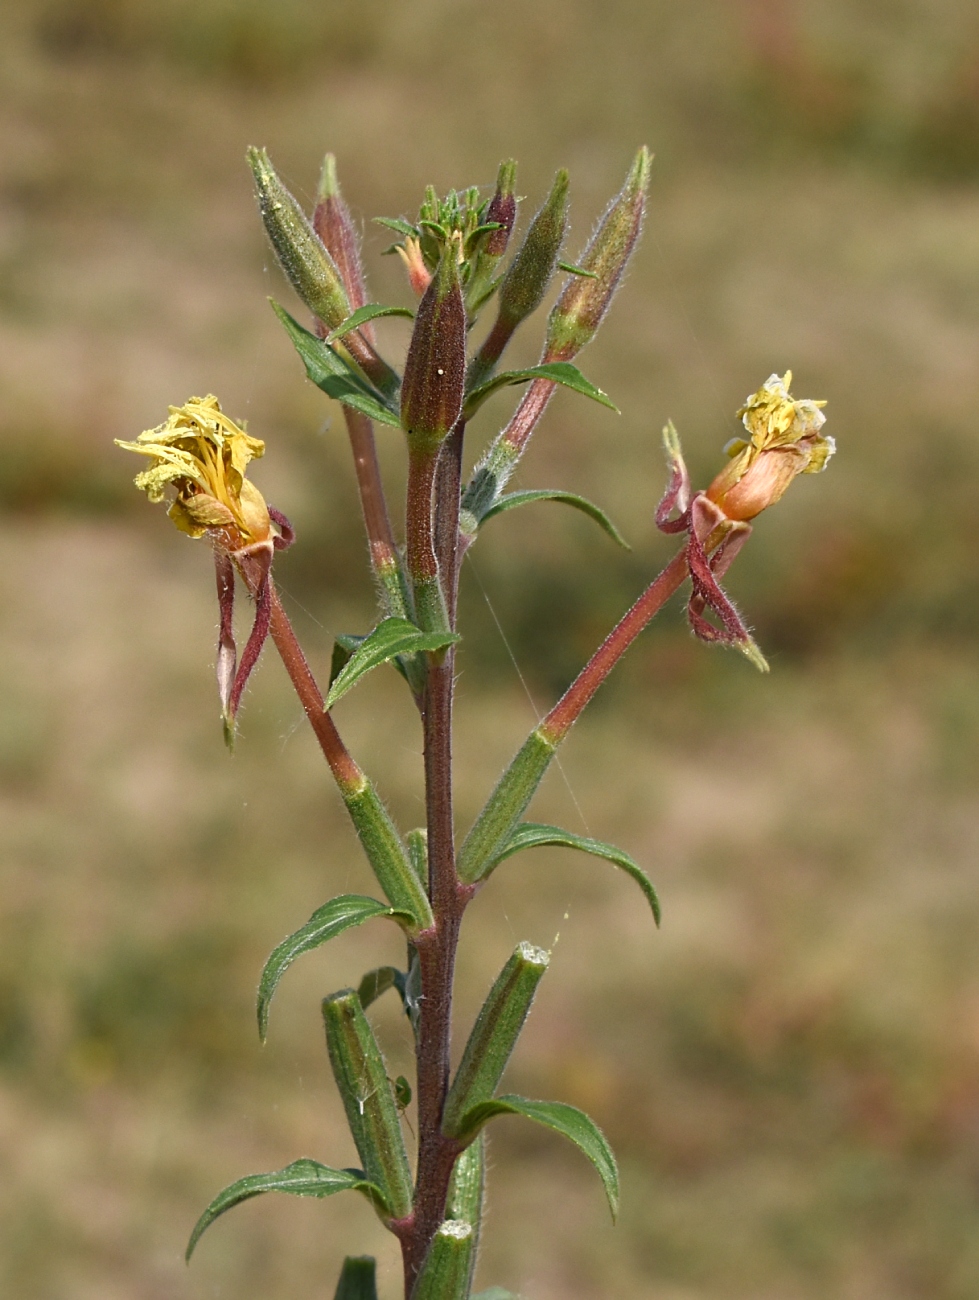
(358,1279)
(533,835)
(392,637)
(448,1267)
(368,1099)
(494,1036)
(577,270)
(559,372)
(371,311)
(512,499)
(416,842)
(570,1122)
(335,376)
(301,1178)
(326,923)
(377,982)
(396,223)
(343,647)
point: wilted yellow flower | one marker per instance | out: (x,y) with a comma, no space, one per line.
(785,439)
(204,455)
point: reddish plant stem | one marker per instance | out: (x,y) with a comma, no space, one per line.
(524,420)
(377,522)
(348,775)
(436,1153)
(569,707)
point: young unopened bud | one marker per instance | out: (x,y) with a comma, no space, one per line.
(526,281)
(335,227)
(310,269)
(502,209)
(368,1098)
(435,370)
(494,1035)
(579,311)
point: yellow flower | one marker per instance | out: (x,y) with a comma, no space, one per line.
(204,455)
(785,439)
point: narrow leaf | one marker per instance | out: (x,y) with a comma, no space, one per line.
(343,647)
(396,223)
(577,270)
(333,375)
(534,835)
(301,1178)
(392,637)
(326,923)
(570,1122)
(370,311)
(512,499)
(377,982)
(358,1279)
(559,372)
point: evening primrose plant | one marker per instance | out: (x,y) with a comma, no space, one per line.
(455,256)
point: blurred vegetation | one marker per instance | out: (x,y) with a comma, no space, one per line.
(790,1068)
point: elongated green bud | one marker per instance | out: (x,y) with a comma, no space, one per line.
(358,1279)
(465,1200)
(386,854)
(335,227)
(505,807)
(494,1035)
(579,311)
(528,276)
(435,370)
(449,1263)
(309,267)
(368,1099)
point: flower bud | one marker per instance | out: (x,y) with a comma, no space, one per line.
(528,276)
(368,1098)
(310,269)
(335,227)
(502,209)
(435,370)
(785,439)
(579,311)
(494,1035)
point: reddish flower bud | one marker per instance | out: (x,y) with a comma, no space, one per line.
(435,370)
(335,227)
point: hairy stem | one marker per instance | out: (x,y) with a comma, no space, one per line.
(569,707)
(377,522)
(348,775)
(436,1153)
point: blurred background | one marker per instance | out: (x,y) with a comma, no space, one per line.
(789,1069)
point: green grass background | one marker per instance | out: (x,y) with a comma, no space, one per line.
(789,1069)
